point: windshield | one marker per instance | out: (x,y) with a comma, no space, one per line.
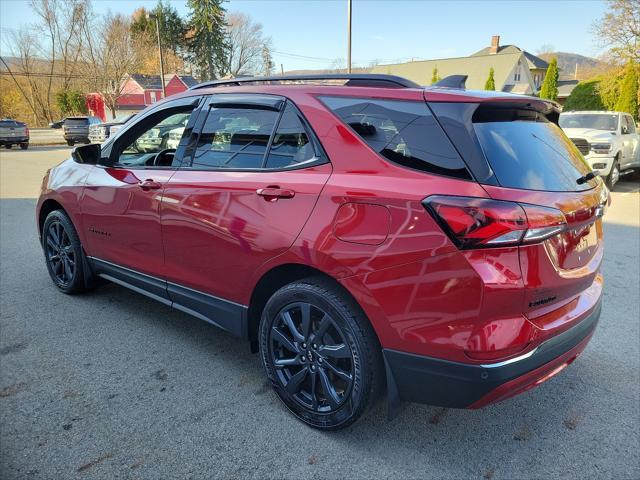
(597,121)
(532,155)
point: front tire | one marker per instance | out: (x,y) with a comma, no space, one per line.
(8,146)
(614,174)
(24,146)
(71,143)
(320,353)
(63,253)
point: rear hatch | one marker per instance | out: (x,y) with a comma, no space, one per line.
(76,126)
(557,202)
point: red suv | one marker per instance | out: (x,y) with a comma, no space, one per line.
(360,231)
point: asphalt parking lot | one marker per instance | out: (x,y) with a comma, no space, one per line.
(113,385)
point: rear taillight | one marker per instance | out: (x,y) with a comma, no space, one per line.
(481,223)
(26,130)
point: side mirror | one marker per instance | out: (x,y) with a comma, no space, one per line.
(625,130)
(87,154)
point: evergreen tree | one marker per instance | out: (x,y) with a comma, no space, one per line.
(172,27)
(490,84)
(585,96)
(207,44)
(435,78)
(549,88)
(628,98)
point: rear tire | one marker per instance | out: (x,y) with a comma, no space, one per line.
(63,253)
(614,174)
(320,353)
(70,143)
(8,146)
(24,146)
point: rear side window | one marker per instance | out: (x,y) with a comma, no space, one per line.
(404,132)
(291,144)
(527,151)
(234,138)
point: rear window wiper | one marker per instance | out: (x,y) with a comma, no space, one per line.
(586,178)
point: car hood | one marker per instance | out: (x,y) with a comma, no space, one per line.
(590,134)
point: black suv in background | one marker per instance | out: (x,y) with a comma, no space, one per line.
(14,132)
(76,129)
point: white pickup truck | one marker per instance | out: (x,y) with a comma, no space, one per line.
(609,141)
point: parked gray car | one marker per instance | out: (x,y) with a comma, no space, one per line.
(76,129)
(13,132)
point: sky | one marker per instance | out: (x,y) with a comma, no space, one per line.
(312,34)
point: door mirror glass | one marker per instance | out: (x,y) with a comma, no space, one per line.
(87,154)
(625,130)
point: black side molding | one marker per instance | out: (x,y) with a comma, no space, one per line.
(225,314)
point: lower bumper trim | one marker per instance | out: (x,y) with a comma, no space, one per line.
(434,381)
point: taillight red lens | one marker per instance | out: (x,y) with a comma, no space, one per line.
(481,222)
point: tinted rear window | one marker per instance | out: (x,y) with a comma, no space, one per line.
(7,123)
(404,132)
(76,122)
(532,154)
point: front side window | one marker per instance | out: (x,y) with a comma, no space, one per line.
(156,144)
(235,138)
(631,127)
(404,132)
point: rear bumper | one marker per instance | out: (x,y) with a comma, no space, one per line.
(13,140)
(422,379)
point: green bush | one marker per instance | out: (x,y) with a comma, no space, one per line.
(71,102)
(628,98)
(585,96)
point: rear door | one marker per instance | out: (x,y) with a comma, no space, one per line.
(241,198)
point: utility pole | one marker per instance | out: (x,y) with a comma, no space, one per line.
(155,17)
(349,36)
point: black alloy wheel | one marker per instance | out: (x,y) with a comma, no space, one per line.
(60,254)
(320,353)
(313,362)
(63,253)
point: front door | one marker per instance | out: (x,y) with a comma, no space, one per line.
(241,199)
(121,202)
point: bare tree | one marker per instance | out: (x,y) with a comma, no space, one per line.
(47,53)
(109,55)
(620,29)
(247,44)
(545,48)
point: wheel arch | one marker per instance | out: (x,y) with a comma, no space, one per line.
(276,278)
(46,208)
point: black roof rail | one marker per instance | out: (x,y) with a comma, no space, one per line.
(352,80)
(452,81)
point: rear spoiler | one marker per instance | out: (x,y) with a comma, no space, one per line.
(452,81)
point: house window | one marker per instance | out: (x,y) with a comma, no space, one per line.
(153,96)
(516,77)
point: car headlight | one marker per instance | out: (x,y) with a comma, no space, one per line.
(601,147)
